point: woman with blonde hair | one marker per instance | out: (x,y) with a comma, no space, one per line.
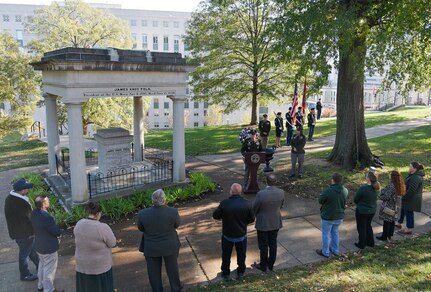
(391,204)
(366,205)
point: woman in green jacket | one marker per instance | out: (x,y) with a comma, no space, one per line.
(366,205)
(412,200)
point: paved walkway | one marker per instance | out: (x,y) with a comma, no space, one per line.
(199,257)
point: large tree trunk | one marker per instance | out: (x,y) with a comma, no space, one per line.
(254,101)
(351,147)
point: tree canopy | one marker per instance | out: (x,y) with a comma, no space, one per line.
(19,86)
(391,38)
(234,44)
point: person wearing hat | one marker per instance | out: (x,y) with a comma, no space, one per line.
(299,118)
(311,119)
(289,126)
(319,108)
(251,144)
(17,211)
(264,128)
(279,128)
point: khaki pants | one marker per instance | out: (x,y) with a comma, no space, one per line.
(46,271)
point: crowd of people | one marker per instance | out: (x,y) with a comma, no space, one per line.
(38,236)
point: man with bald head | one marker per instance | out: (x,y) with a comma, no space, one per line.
(236,213)
(267,207)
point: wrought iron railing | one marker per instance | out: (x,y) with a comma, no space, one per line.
(128,178)
(63,170)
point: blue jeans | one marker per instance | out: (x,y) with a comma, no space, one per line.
(410,218)
(26,250)
(330,235)
(310,132)
(289,135)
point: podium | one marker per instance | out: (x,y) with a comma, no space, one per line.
(253,160)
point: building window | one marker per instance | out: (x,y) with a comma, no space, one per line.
(156,114)
(176,43)
(206,104)
(196,124)
(132,22)
(155,43)
(205,113)
(196,114)
(166,114)
(186,47)
(165,23)
(18,18)
(176,24)
(166,125)
(165,43)
(134,40)
(156,124)
(5,18)
(205,124)
(263,110)
(144,22)
(19,37)
(196,104)
(155,23)
(186,104)
(166,105)
(156,103)
(144,42)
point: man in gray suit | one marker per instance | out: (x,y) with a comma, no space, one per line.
(267,207)
(160,240)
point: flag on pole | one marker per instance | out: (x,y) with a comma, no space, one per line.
(294,104)
(304,104)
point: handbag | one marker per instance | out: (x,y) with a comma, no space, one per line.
(388,211)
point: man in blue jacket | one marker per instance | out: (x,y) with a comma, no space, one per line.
(46,243)
(236,213)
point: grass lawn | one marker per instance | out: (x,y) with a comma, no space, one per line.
(224,139)
(401,266)
(16,153)
(396,150)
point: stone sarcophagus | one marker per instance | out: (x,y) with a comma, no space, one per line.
(114,148)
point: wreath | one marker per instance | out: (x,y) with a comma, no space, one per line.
(245,133)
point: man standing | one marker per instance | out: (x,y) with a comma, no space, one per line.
(17,210)
(279,128)
(267,207)
(311,119)
(236,213)
(46,243)
(299,118)
(333,201)
(319,109)
(251,144)
(289,126)
(160,241)
(264,128)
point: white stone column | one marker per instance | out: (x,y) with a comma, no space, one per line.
(178,145)
(78,172)
(52,132)
(138,128)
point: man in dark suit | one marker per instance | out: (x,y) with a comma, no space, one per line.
(160,240)
(236,213)
(46,243)
(311,122)
(17,210)
(289,126)
(319,108)
(267,207)
(264,128)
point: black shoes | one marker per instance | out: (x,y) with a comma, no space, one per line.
(358,246)
(381,238)
(29,278)
(239,276)
(292,175)
(319,252)
(226,278)
(259,267)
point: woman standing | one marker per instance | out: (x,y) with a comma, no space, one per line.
(93,254)
(366,205)
(298,152)
(412,201)
(391,204)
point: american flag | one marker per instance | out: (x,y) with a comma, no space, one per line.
(294,104)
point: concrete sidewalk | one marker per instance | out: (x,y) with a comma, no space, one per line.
(200,235)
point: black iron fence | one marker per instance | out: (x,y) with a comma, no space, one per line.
(128,178)
(91,156)
(63,170)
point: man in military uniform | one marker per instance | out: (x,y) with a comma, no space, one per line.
(251,144)
(264,128)
(289,126)
(311,119)
(299,118)
(319,108)
(279,128)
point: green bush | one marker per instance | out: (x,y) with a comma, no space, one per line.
(117,208)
